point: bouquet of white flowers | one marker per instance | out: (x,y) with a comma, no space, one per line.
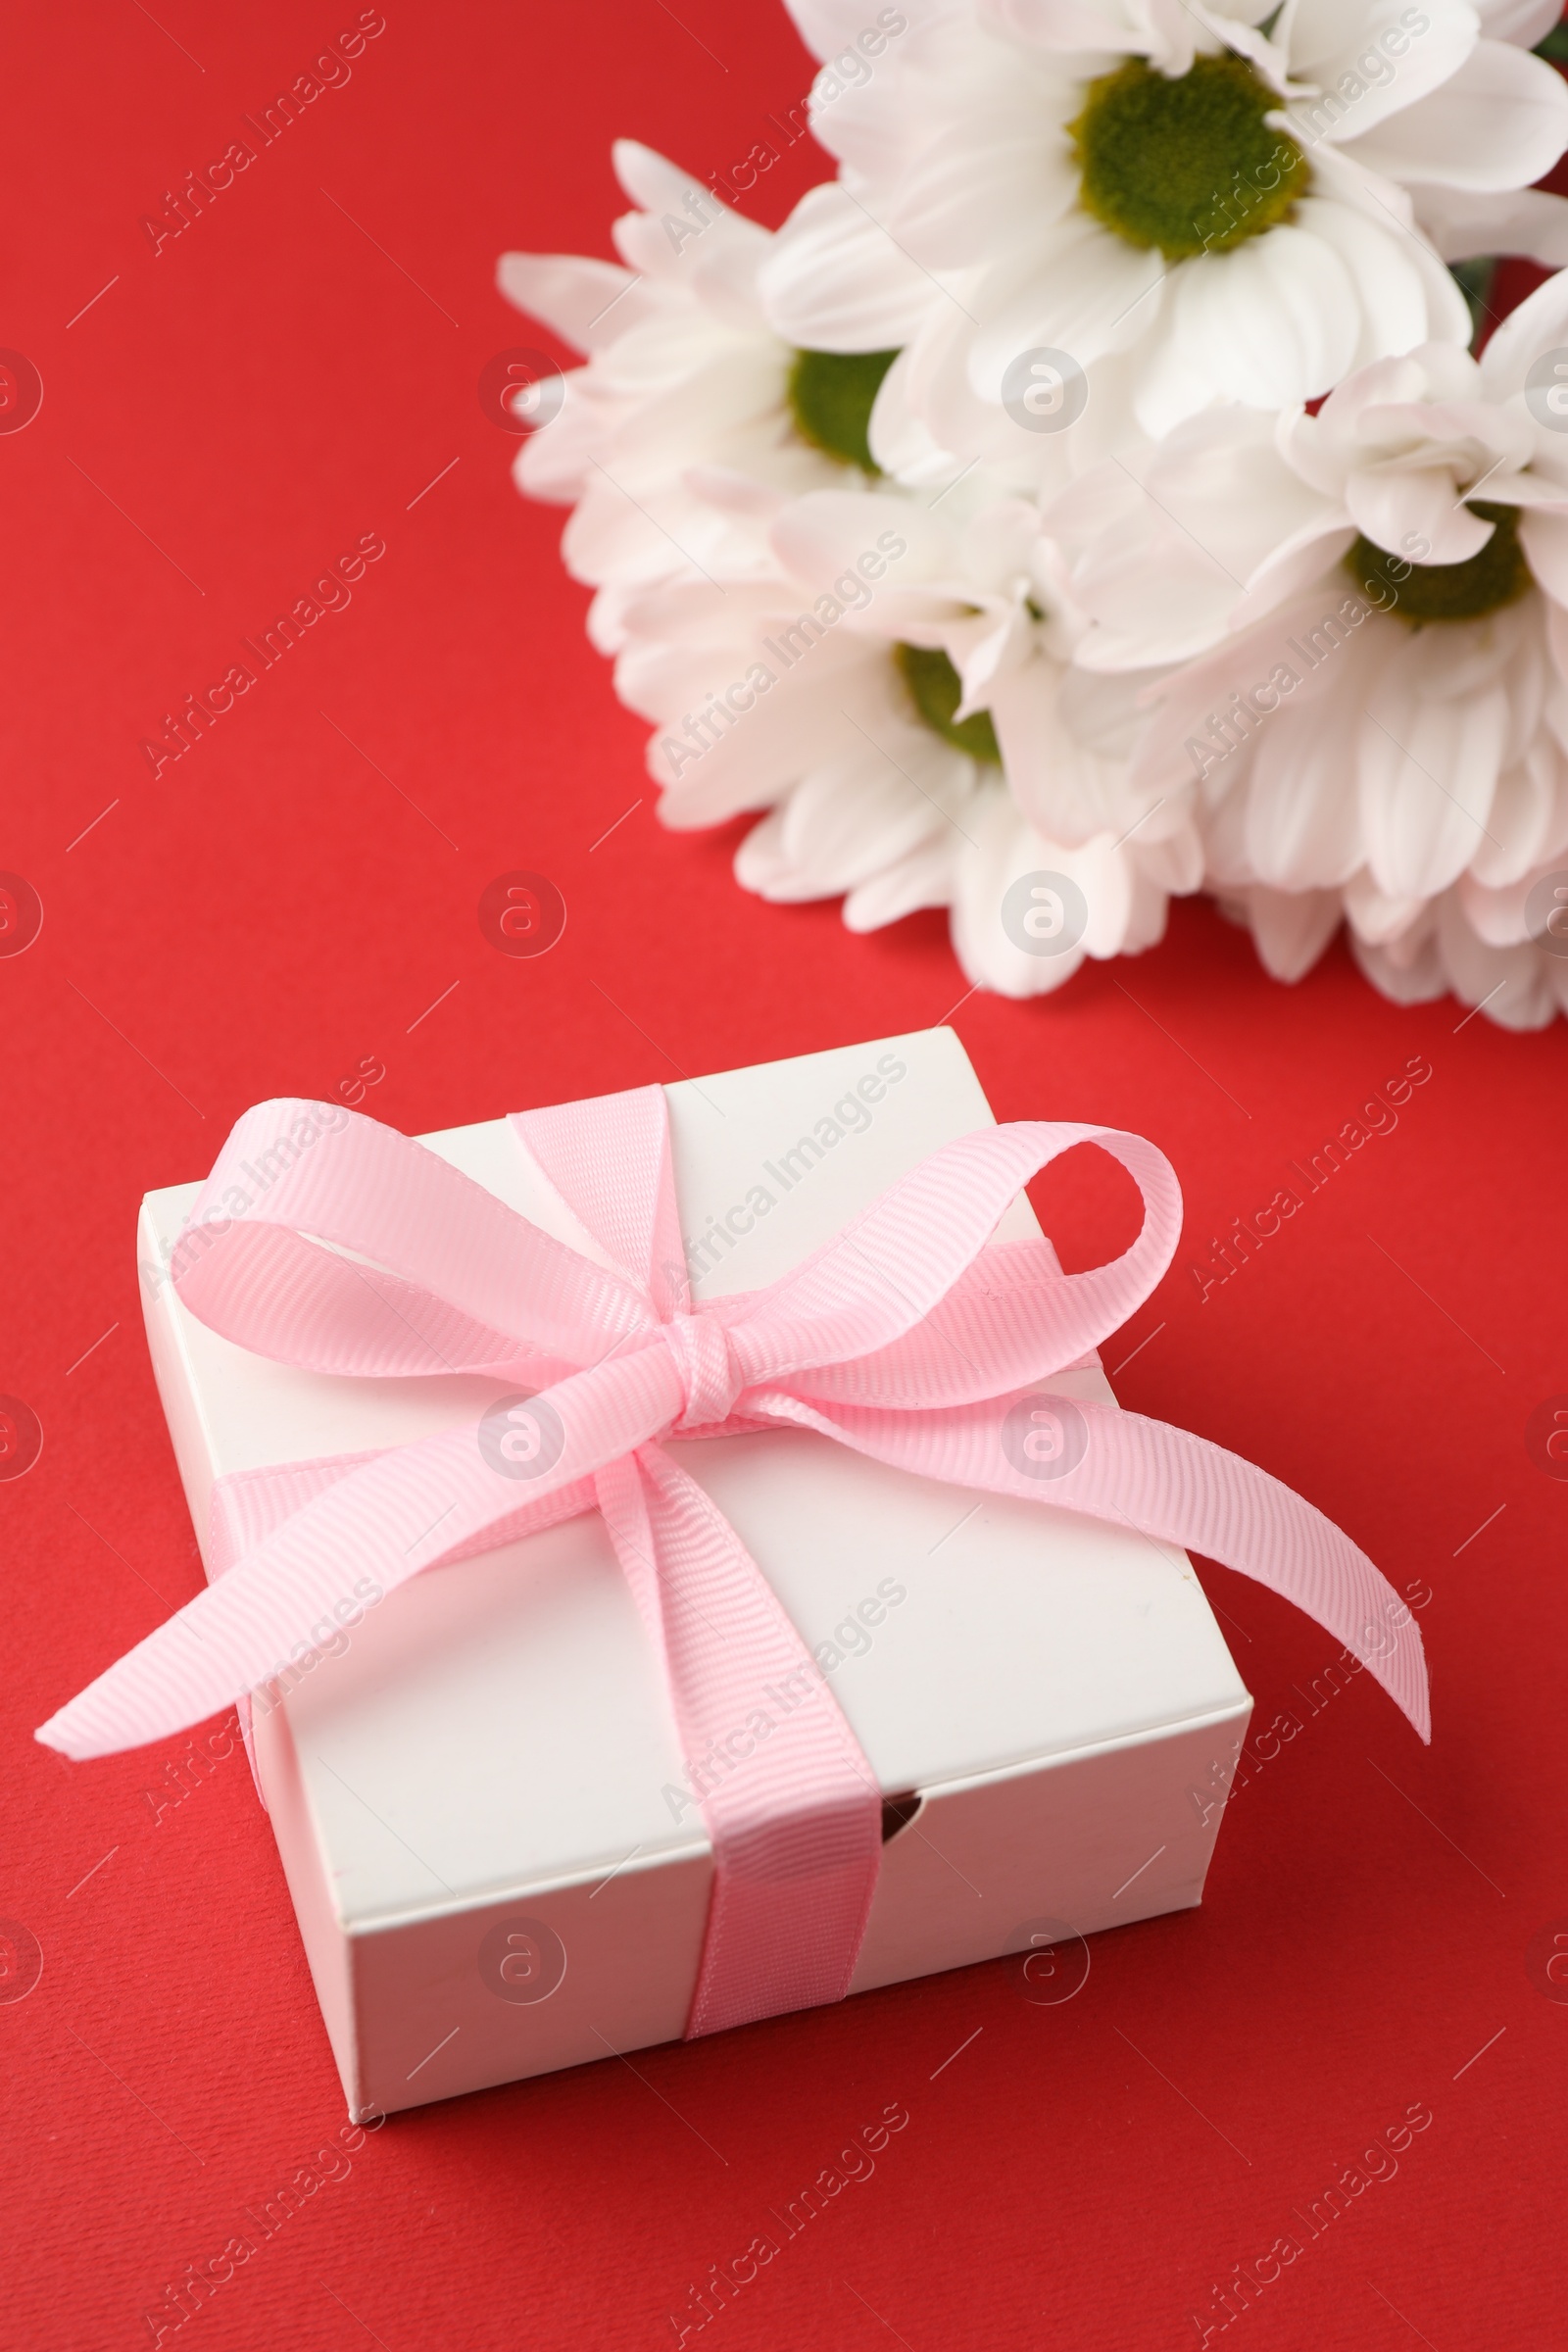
(1090,495)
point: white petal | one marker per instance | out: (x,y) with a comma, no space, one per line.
(1225,859)
(1399,925)
(1084,292)
(1540,325)
(1464,224)
(679,247)
(1543,536)
(1092,26)
(736,493)
(1529,798)
(1107,715)
(1497,915)
(612,536)
(1069,793)
(1174,551)
(1499,121)
(988,177)
(1291,928)
(1146,611)
(1107,494)
(587,303)
(1466,437)
(1274,322)
(553,461)
(922,880)
(1414,980)
(1400,509)
(657,186)
(1340,178)
(1529,678)
(1525,22)
(1404,295)
(723,405)
(1153,594)
(1368,65)
(1220,481)
(990,649)
(1004,849)
(1321,447)
(835,280)
(901,438)
(1303,827)
(1428,763)
(962,419)
(827,25)
(826,533)
(848,820)
(1174,866)
(875,116)
(1148,911)
(1306,555)
(1173,753)
(1498,907)
(1511,981)
(816,710)
(1172,384)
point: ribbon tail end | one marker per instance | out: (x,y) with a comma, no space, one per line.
(1404,1676)
(99,1722)
(57,1734)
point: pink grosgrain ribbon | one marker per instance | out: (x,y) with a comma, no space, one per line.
(911,1336)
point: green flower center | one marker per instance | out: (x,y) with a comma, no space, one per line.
(936,691)
(1422,592)
(830,396)
(1189,166)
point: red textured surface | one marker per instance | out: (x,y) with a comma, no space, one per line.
(231,415)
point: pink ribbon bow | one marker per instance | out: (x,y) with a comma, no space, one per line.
(911,1337)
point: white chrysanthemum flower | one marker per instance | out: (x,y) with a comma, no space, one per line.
(1382,722)
(1215,202)
(899,696)
(689,396)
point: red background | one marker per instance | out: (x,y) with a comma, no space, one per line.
(228,417)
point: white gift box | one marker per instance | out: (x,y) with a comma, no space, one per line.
(489,1833)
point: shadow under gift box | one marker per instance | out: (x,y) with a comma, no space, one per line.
(489,1833)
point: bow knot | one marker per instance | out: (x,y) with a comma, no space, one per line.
(704,1364)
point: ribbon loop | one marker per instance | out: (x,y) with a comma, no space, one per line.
(890,1275)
